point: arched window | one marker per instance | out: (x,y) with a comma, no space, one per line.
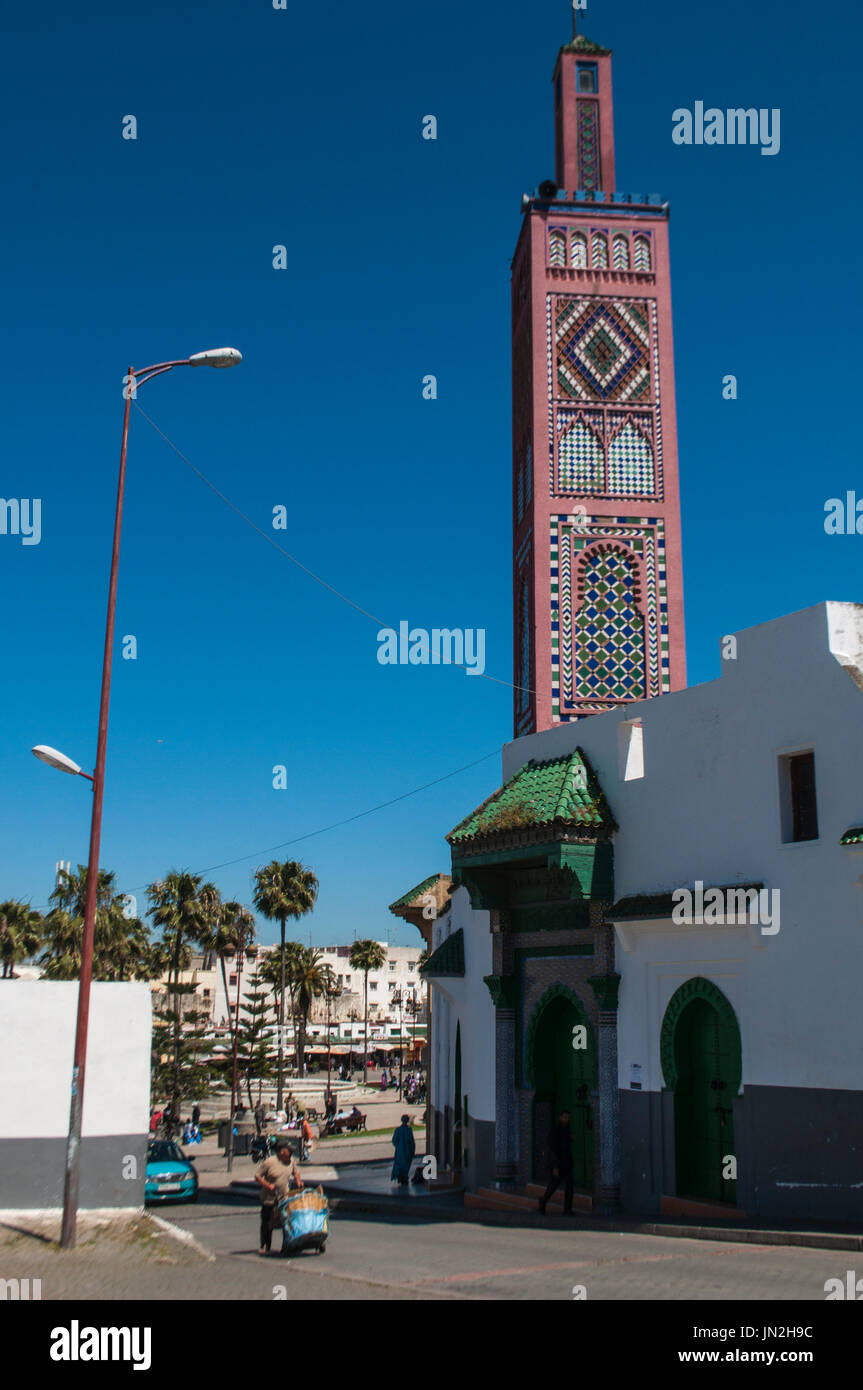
(609,630)
(599,250)
(621,252)
(557,248)
(578,250)
(630,463)
(642,252)
(581,460)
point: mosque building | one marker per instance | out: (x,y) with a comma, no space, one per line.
(653,922)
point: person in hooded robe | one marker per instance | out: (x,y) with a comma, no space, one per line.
(405,1148)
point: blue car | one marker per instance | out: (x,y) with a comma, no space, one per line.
(171,1177)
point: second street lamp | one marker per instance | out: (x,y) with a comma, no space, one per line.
(214,357)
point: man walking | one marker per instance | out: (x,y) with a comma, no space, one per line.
(275,1177)
(560,1154)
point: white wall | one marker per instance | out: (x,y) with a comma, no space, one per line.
(708,808)
(465,1000)
(37,1035)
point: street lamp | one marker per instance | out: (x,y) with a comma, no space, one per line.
(244,947)
(53,758)
(332,991)
(213,357)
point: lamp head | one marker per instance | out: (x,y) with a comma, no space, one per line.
(216,357)
(53,758)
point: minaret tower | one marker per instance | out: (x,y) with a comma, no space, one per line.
(598,590)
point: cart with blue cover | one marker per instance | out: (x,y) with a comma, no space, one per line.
(305,1221)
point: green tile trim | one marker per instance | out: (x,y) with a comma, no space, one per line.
(448,959)
(417,892)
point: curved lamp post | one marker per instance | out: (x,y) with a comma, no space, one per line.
(213,357)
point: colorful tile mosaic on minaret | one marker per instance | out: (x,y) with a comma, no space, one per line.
(597,589)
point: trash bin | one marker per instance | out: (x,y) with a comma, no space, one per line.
(242,1144)
(223,1134)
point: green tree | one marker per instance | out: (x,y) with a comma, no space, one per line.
(254,1043)
(20,933)
(180,905)
(365,956)
(284,890)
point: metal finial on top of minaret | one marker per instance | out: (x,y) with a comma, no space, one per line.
(575,19)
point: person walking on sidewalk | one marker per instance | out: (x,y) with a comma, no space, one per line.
(560,1153)
(405,1148)
(275,1177)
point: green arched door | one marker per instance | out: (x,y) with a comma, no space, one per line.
(564,1077)
(707,1063)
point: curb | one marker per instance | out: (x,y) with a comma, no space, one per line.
(183,1237)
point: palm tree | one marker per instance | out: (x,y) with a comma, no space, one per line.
(365,956)
(309,978)
(180,905)
(20,933)
(284,890)
(121,944)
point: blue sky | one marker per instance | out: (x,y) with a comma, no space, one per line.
(259,127)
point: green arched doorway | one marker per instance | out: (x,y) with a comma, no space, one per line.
(701,1060)
(562,1065)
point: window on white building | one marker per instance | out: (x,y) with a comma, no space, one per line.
(798,805)
(630,748)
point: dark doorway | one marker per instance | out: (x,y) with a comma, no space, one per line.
(706,1049)
(565,1076)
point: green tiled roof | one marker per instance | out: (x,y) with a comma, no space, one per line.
(562,790)
(582,44)
(853,836)
(417,892)
(448,959)
(662,904)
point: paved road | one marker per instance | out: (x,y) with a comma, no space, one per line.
(386,1258)
(372,1257)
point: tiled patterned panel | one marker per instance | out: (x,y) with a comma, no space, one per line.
(609,630)
(557,247)
(630,463)
(524,673)
(641,253)
(604,452)
(620,252)
(578,251)
(635,632)
(581,458)
(599,251)
(589,168)
(603,349)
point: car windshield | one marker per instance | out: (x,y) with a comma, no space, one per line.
(164,1151)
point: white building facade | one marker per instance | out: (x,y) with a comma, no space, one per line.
(708,1048)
